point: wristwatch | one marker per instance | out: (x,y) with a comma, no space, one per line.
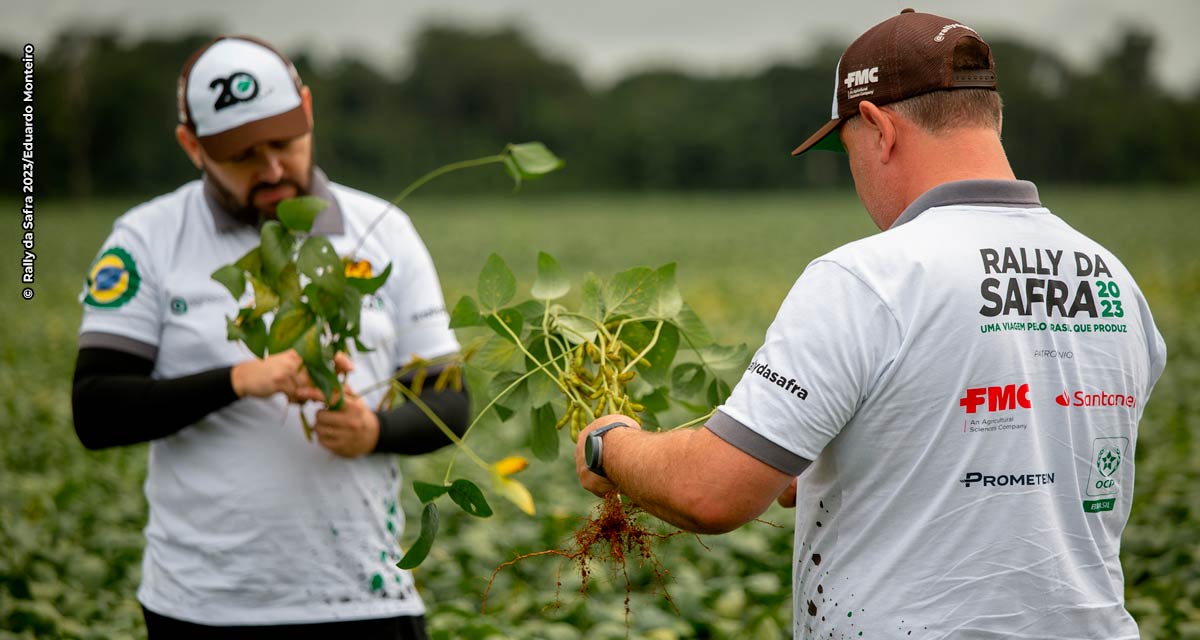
(593,448)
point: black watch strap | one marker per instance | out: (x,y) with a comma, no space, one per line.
(593,449)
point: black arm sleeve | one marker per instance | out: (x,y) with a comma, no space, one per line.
(115,401)
(407,430)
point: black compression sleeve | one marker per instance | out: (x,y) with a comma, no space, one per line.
(407,430)
(115,401)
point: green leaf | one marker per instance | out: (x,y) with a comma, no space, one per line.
(497,284)
(498,354)
(367,286)
(550,283)
(513,172)
(631,292)
(249,329)
(503,412)
(465,314)
(514,399)
(420,549)
(467,496)
(313,354)
(290,323)
(638,336)
(542,385)
(692,329)
(265,298)
(297,214)
(656,401)
(544,439)
(346,321)
(233,278)
(718,392)
(252,262)
(592,302)
(276,247)
(533,159)
(669,301)
(323,303)
(723,358)
(688,379)
(532,311)
(510,318)
(288,285)
(577,329)
(428,492)
(319,262)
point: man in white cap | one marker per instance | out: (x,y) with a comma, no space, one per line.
(958,395)
(253,531)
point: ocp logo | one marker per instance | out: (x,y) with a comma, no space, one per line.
(1108,460)
(239,87)
(113,279)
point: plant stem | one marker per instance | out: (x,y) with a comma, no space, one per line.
(689,423)
(418,183)
(415,399)
(632,363)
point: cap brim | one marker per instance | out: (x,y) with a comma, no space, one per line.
(227,144)
(824,139)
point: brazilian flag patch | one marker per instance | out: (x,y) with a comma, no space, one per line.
(113,279)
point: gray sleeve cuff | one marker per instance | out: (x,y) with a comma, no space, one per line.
(749,441)
(98,340)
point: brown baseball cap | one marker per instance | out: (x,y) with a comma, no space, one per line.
(238,91)
(899,58)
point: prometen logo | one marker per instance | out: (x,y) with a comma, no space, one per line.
(1101,399)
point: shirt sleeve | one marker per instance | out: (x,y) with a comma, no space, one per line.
(422,323)
(831,341)
(122,308)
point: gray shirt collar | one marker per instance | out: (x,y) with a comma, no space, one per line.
(328,222)
(993,193)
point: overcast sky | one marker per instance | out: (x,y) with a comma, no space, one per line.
(607,38)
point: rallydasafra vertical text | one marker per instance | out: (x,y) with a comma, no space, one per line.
(28,257)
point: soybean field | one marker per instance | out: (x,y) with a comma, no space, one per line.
(71,520)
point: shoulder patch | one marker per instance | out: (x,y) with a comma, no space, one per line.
(113,279)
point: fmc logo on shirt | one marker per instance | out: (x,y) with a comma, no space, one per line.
(998,398)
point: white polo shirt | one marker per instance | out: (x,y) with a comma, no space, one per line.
(249,522)
(968,386)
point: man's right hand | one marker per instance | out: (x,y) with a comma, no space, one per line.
(260,378)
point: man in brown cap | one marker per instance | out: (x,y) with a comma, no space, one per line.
(951,405)
(253,531)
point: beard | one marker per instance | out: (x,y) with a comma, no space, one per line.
(245,211)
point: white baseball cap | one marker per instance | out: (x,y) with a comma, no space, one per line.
(238,91)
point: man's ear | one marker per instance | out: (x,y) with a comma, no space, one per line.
(883,128)
(190,144)
(306,100)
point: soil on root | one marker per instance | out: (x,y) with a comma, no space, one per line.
(613,536)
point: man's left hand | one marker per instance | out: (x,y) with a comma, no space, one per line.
(598,485)
(351,431)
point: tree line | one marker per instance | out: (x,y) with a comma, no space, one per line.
(106,111)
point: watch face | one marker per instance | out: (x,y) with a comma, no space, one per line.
(591,451)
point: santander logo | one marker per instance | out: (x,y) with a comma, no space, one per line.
(1101,399)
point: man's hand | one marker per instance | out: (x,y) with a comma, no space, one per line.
(598,485)
(279,373)
(787,499)
(351,431)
